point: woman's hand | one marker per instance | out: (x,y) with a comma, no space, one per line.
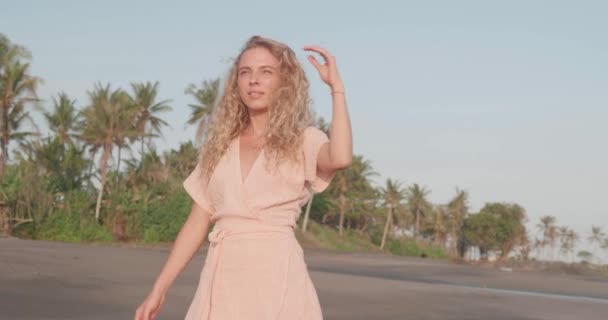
(150,307)
(328,71)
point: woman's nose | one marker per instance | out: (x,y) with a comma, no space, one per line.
(253,79)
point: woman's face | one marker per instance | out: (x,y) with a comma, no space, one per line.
(258,77)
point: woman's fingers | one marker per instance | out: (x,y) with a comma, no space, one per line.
(326,55)
(328,71)
(314,62)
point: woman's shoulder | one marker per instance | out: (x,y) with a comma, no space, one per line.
(312,132)
(313,138)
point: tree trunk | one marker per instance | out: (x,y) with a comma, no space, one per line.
(2,160)
(386,226)
(454,244)
(417,225)
(103,166)
(307,213)
(6,130)
(350,220)
(324,219)
(505,249)
(342,209)
(365,224)
(149,142)
(117,166)
(4,225)
(93,153)
(3,153)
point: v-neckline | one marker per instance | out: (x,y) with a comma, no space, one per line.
(243,180)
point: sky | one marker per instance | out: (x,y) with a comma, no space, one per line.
(506,100)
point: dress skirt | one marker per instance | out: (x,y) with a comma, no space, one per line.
(254,271)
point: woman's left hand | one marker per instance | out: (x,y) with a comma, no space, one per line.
(328,71)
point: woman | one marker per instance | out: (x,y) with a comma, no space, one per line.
(261,162)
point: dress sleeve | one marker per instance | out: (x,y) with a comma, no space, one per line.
(198,190)
(314,139)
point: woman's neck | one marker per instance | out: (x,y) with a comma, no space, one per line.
(258,123)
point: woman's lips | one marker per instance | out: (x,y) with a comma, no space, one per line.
(255,94)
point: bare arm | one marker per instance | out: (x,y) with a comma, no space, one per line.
(338,153)
(188,241)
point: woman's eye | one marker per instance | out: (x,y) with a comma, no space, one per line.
(267,72)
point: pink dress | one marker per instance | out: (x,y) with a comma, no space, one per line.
(254,268)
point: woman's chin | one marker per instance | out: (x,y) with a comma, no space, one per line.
(257,107)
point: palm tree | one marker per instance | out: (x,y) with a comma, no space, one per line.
(596,237)
(125,125)
(103,122)
(548,229)
(350,183)
(457,208)
(605,244)
(568,239)
(563,238)
(553,236)
(149,170)
(417,204)
(183,160)
(17,90)
(205,97)
(342,188)
(63,164)
(572,238)
(92,153)
(64,118)
(393,195)
(147,122)
(525,247)
(438,224)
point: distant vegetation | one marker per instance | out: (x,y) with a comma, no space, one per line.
(97,177)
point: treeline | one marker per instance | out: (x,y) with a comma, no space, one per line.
(98,177)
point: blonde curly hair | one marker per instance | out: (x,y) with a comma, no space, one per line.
(289,110)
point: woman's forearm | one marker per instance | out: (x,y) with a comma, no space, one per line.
(341,141)
(188,241)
